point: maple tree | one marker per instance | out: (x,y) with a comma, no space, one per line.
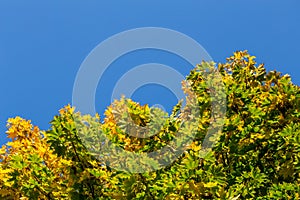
(256,156)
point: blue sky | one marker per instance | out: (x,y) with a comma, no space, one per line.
(42,45)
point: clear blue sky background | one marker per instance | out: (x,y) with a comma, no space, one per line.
(43,43)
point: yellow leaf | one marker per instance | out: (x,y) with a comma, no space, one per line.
(210,184)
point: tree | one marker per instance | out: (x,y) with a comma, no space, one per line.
(257,155)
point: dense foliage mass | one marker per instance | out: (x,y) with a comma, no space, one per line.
(257,155)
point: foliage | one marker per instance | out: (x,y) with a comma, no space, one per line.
(29,169)
(257,155)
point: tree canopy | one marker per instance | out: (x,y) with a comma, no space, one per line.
(256,156)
